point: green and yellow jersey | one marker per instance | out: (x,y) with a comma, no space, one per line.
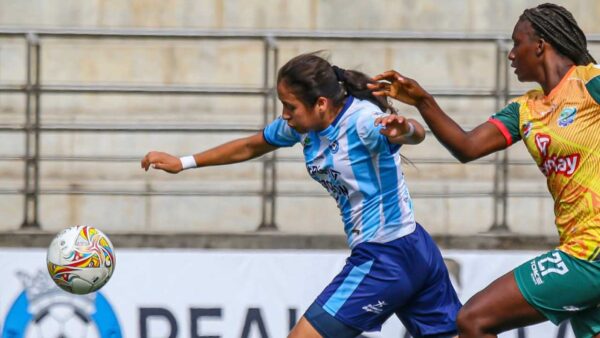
(560,133)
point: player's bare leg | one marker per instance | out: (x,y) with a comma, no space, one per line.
(303,329)
(497,308)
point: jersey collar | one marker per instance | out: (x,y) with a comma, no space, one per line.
(347,105)
(337,119)
(561,83)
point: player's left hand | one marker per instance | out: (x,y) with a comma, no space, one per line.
(162,161)
(393,125)
(395,85)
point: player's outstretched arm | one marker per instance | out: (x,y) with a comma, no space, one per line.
(400,130)
(239,150)
(465,146)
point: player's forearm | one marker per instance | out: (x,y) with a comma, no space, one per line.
(231,152)
(239,150)
(448,132)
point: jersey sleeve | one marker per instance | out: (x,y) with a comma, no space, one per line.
(279,134)
(507,121)
(371,136)
(593,82)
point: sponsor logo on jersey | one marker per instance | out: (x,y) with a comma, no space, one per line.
(542,141)
(565,165)
(567,116)
(329,179)
(554,164)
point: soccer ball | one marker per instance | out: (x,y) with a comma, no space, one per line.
(80,259)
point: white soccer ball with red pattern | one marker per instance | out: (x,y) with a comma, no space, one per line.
(81,259)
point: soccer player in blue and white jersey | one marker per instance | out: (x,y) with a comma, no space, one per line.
(394,266)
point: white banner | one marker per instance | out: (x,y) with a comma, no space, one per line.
(207,293)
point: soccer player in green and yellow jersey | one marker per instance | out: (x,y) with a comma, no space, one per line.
(559,132)
(558,126)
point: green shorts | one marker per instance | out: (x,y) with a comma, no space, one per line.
(563,287)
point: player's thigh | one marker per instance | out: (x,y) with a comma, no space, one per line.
(378,278)
(563,287)
(304,329)
(432,311)
(500,307)
(316,322)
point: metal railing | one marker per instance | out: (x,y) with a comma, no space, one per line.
(33,89)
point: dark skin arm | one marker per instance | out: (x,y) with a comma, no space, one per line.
(465,146)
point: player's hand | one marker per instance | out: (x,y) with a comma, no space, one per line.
(393,125)
(162,161)
(397,86)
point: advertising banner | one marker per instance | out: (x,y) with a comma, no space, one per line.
(167,293)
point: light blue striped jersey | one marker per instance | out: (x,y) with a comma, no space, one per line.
(359,168)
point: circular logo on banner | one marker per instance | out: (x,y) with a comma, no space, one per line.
(44,310)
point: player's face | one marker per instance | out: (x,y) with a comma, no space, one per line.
(298,116)
(524,53)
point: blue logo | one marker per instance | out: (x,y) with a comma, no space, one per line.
(43,307)
(567,116)
(334,146)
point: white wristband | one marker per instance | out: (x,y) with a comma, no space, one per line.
(188,162)
(411,130)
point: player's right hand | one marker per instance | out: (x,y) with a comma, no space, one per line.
(393,125)
(162,161)
(397,86)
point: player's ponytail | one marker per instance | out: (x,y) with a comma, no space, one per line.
(355,84)
(310,76)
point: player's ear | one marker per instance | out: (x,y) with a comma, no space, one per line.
(322,104)
(540,47)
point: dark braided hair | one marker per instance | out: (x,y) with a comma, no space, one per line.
(309,76)
(557,25)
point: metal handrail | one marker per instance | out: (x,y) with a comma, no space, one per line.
(257,193)
(75,127)
(152,89)
(282,159)
(254,34)
(233,34)
(465,92)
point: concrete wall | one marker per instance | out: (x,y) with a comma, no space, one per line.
(386,15)
(239,63)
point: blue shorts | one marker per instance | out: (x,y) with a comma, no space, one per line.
(406,277)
